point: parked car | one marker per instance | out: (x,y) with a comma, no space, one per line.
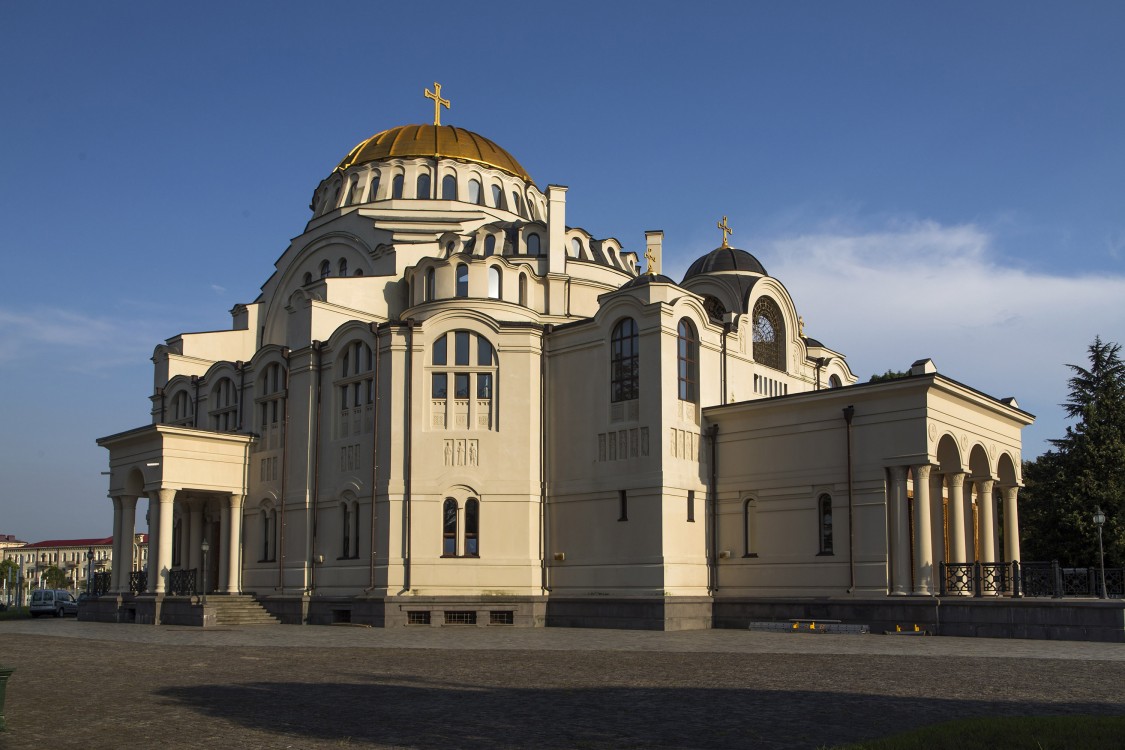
(57,602)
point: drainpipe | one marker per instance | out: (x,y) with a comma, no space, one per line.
(374,455)
(317,347)
(280,551)
(195,382)
(819,365)
(849,413)
(723,366)
(544,431)
(408,437)
(713,583)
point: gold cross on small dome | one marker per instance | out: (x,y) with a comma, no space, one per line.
(438,102)
(726,230)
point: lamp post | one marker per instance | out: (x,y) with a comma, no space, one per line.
(89,569)
(203,573)
(1099,521)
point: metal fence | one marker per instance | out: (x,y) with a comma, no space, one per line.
(100,582)
(138,581)
(1032,579)
(181,582)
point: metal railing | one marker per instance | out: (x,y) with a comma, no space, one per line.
(181,582)
(138,581)
(1031,579)
(100,583)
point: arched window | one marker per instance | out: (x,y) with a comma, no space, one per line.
(517,204)
(769,334)
(396,186)
(325,269)
(308,279)
(489,245)
(494,282)
(335,198)
(824,514)
(749,520)
(270,398)
(624,384)
(224,406)
(576,248)
(358,272)
(431,285)
(688,362)
(533,244)
(523,289)
(355,388)
(497,196)
(342,267)
(449,188)
(350,199)
(474,191)
(268,526)
(462,280)
(834,381)
(422,190)
(473,371)
(373,188)
(181,410)
(472,527)
(449,528)
(349,531)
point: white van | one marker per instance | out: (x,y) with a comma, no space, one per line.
(57,602)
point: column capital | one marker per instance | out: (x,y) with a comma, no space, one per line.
(922,472)
(236,500)
(956,478)
(898,473)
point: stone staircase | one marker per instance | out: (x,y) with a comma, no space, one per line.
(240,609)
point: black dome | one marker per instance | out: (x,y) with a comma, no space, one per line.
(645,279)
(725,259)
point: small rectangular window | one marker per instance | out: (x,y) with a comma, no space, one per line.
(460,618)
(440,385)
(461,385)
(484,385)
(461,356)
(623,502)
(417,618)
(502,618)
(691,506)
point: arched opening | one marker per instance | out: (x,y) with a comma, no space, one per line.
(533,244)
(422,190)
(494,282)
(688,361)
(462,280)
(449,188)
(449,528)
(624,361)
(769,334)
(474,191)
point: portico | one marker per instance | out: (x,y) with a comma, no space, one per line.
(195,483)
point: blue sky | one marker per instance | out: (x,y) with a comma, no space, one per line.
(928,180)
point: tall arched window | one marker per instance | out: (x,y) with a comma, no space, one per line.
(688,362)
(308,278)
(342,267)
(325,269)
(497,196)
(517,204)
(449,528)
(523,289)
(533,244)
(396,186)
(824,515)
(373,188)
(462,280)
(624,384)
(267,526)
(472,527)
(351,197)
(474,371)
(769,334)
(181,410)
(449,188)
(349,531)
(489,245)
(224,406)
(423,186)
(474,191)
(431,285)
(494,282)
(834,381)
(355,388)
(576,248)
(270,398)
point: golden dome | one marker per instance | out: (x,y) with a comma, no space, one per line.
(443,141)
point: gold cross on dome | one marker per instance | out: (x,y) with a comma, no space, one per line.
(438,102)
(726,230)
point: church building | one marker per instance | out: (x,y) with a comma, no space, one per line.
(449,404)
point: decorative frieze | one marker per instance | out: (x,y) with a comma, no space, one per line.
(349,458)
(462,452)
(622,444)
(684,444)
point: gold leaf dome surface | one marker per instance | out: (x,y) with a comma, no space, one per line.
(444,141)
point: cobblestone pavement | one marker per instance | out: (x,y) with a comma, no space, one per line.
(97,685)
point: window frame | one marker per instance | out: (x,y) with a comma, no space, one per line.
(624,361)
(687,361)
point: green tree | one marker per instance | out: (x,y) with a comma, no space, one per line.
(1085,470)
(9,570)
(888,375)
(55,578)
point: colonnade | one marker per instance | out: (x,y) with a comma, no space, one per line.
(162,504)
(913,562)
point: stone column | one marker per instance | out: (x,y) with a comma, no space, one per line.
(115,550)
(956,517)
(151,569)
(195,538)
(987,521)
(166,498)
(128,529)
(234,544)
(900,533)
(923,536)
(937,516)
(224,545)
(1011,524)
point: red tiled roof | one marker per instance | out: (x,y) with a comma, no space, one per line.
(52,543)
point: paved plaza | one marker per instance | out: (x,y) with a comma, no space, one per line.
(97,685)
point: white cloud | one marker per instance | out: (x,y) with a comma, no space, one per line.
(218,289)
(51,336)
(920,289)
